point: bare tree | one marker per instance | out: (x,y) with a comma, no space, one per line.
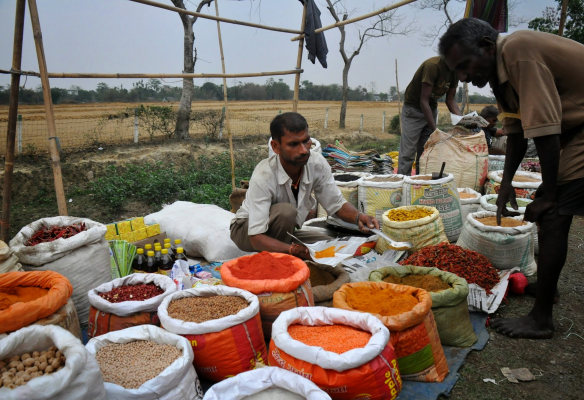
(190,59)
(385,24)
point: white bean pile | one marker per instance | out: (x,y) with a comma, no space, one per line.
(131,364)
(19,370)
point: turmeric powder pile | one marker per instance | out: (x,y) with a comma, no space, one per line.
(385,302)
(401,214)
(19,294)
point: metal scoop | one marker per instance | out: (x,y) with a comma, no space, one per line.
(392,243)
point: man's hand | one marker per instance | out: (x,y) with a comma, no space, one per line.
(300,251)
(366,222)
(506,194)
(536,209)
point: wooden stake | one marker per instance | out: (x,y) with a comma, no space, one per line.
(398,97)
(12,117)
(50,116)
(563,16)
(299,62)
(227,122)
(140,75)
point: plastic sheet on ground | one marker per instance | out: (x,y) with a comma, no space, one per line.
(478,300)
(344,248)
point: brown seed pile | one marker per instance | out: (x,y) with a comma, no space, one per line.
(505,222)
(422,178)
(131,364)
(201,309)
(385,179)
(19,370)
(320,277)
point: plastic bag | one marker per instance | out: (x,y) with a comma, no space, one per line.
(471,205)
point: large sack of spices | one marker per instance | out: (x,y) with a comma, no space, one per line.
(349,188)
(275,294)
(524,183)
(325,280)
(178,381)
(441,194)
(25,311)
(204,229)
(269,383)
(80,379)
(426,231)
(505,247)
(225,346)
(8,261)
(379,193)
(470,204)
(371,369)
(414,335)
(449,306)
(466,157)
(84,259)
(106,317)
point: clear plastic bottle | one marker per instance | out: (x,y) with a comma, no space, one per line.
(180,254)
(177,244)
(151,264)
(157,252)
(171,253)
(166,263)
(147,248)
(139,262)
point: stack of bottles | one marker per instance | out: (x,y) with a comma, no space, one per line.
(160,259)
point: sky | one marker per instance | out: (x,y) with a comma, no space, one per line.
(112,36)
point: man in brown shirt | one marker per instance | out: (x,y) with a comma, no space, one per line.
(537,80)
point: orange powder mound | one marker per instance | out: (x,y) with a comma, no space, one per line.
(19,294)
(263,266)
(463,195)
(385,302)
(328,252)
(335,338)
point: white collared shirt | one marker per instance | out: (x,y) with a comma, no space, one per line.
(270,185)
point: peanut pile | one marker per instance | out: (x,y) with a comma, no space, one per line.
(18,370)
(131,364)
(201,309)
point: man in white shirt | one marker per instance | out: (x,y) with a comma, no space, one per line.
(279,196)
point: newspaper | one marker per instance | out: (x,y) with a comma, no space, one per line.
(478,300)
(344,248)
(469,120)
(360,267)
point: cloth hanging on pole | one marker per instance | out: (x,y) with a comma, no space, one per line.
(315,43)
(495,12)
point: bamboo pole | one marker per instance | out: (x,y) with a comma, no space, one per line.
(215,18)
(563,16)
(157,75)
(356,19)
(227,121)
(50,116)
(12,117)
(398,97)
(299,62)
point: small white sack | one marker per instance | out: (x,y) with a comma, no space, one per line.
(81,378)
(506,248)
(330,316)
(203,228)
(214,325)
(127,308)
(255,382)
(178,381)
(468,206)
(315,149)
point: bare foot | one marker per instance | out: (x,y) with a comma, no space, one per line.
(531,290)
(525,327)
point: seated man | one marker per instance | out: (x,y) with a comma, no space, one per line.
(491,114)
(279,196)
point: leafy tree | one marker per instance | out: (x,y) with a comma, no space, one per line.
(550,20)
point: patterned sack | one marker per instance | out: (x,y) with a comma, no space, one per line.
(375,198)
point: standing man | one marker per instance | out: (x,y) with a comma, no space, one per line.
(418,120)
(537,80)
(491,114)
(278,200)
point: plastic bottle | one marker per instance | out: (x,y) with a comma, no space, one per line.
(157,252)
(180,254)
(147,248)
(167,240)
(171,253)
(177,244)
(139,262)
(151,264)
(166,263)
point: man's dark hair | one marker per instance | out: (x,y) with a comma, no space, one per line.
(291,121)
(467,33)
(490,112)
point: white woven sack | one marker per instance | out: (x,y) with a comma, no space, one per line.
(316,149)
(203,228)
(506,248)
(468,206)
(264,383)
(214,325)
(178,381)
(84,259)
(8,261)
(441,194)
(496,163)
(375,198)
(330,316)
(81,378)
(127,308)
(522,189)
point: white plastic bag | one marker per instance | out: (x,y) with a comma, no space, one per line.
(523,190)
(506,248)
(178,381)
(316,148)
(84,259)
(259,380)
(203,228)
(375,198)
(127,308)
(468,206)
(80,379)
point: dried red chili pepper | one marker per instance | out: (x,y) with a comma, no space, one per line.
(132,293)
(50,234)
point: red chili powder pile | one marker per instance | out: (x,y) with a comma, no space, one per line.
(19,294)
(335,338)
(263,266)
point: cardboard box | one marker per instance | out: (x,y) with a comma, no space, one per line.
(111,230)
(140,234)
(138,223)
(151,240)
(128,237)
(153,230)
(124,227)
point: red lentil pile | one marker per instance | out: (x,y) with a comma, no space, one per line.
(467,264)
(335,338)
(132,293)
(264,266)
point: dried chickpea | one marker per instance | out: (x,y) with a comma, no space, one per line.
(7,381)
(58,354)
(32,369)
(2,364)
(24,356)
(3,370)
(42,366)
(13,370)
(36,374)
(11,386)
(28,362)
(13,358)
(53,348)
(19,374)
(13,364)
(26,377)
(49,369)
(55,364)
(7,375)
(43,358)
(19,382)
(20,367)
(43,353)
(50,354)
(63,359)
(35,354)
(37,363)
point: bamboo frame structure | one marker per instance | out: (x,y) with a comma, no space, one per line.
(299,63)
(147,75)
(12,116)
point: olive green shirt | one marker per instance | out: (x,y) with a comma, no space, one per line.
(435,72)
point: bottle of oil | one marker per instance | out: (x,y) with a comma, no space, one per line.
(139,262)
(180,254)
(177,244)
(147,248)
(166,263)
(171,253)
(151,264)
(157,252)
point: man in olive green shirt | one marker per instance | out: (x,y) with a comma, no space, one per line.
(418,120)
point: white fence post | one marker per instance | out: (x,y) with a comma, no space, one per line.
(19,133)
(383,123)
(326,119)
(135,125)
(361,125)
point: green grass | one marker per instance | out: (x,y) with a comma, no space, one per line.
(382,146)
